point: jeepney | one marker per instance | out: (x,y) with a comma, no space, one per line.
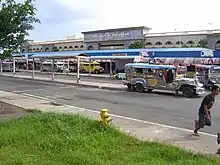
(94,67)
(214,75)
(204,73)
(143,76)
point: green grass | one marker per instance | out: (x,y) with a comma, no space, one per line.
(60,139)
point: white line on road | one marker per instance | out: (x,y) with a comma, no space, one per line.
(128,118)
(69,86)
(35,96)
(28,90)
(148,122)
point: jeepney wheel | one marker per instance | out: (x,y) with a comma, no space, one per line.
(129,87)
(149,90)
(188,92)
(140,88)
(96,71)
(210,85)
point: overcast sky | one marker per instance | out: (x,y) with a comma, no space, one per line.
(61,18)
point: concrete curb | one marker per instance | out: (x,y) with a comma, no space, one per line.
(68,83)
(62,74)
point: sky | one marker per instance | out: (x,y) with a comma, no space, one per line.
(62,18)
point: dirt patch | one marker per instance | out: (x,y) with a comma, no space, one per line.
(8,111)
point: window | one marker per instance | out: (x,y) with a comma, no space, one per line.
(149,43)
(168,43)
(158,43)
(90,48)
(139,70)
(160,74)
(190,43)
(179,42)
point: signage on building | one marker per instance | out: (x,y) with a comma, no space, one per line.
(207,53)
(120,54)
(139,59)
(144,53)
(116,35)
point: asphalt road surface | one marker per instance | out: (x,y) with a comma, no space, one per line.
(70,77)
(159,108)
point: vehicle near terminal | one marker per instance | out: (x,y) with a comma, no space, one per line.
(46,66)
(143,76)
(94,67)
(206,74)
(215,74)
(7,66)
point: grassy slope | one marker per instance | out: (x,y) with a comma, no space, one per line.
(52,139)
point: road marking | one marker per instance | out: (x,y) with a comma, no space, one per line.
(28,90)
(146,122)
(9,87)
(66,87)
(35,96)
(129,118)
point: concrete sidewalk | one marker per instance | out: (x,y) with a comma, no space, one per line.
(101,85)
(144,130)
(105,76)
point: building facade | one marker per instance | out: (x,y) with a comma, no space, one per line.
(122,38)
(51,46)
(113,38)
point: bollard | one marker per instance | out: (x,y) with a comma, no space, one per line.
(104,117)
(218,138)
(78,80)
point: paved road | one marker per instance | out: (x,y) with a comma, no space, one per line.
(160,108)
(70,77)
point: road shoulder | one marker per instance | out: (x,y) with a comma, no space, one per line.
(144,130)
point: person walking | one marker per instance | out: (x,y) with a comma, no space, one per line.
(205,110)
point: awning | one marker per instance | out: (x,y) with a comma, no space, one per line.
(198,60)
(208,61)
(169,61)
(188,61)
(57,55)
(179,60)
(112,57)
(217,61)
(161,60)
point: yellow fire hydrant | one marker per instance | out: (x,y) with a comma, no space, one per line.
(104,117)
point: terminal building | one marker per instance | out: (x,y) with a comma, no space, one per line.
(111,47)
(122,38)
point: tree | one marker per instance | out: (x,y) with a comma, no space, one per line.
(188,46)
(137,45)
(202,43)
(55,49)
(17,20)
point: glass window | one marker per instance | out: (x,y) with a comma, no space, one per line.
(139,70)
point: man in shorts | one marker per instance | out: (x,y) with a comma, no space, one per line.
(205,110)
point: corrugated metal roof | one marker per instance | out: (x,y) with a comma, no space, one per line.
(149,50)
(57,55)
(113,57)
(73,53)
(152,66)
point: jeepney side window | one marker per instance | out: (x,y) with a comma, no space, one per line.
(160,74)
(127,69)
(139,70)
(150,71)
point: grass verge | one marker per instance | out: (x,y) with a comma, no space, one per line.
(61,139)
